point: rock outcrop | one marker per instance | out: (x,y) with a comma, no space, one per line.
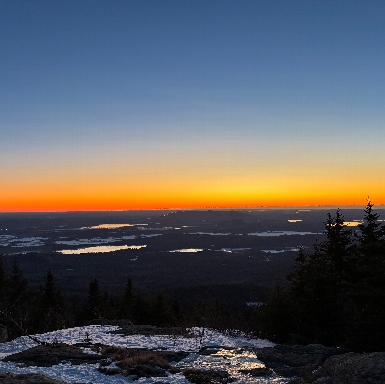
(48,355)
(317,364)
(349,368)
(296,360)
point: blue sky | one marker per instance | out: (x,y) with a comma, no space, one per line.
(110,81)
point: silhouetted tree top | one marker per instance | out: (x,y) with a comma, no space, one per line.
(371,230)
(51,296)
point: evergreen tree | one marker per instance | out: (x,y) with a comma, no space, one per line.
(161,312)
(51,296)
(365,292)
(371,230)
(107,308)
(276,316)
(17,284)
(17,303)
(141,310)
(50,311)
(338,246)
(125,310)
(365,298)
(93,300)
(3,281)
(298,276)
(316,285)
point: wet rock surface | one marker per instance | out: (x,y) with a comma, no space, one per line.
(48,355)
(257,372)
(212,350)
(296,360)
(200,376)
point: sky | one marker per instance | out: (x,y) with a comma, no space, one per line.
(144,104)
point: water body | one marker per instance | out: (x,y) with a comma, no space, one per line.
(188,250)
(111,226)
(100,249)
(14,241)
(282,233)
(94,240)
(210,233)
(231,250)
(156,229)
(280,251)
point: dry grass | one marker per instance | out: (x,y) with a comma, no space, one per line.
(110,350)
(130,358)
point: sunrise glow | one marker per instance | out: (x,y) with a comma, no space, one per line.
(191,105)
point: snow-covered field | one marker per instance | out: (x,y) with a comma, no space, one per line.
(233,359)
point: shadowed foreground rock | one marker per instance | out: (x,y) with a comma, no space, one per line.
(296,360)
(349,368)
(317,364)
(33,378)
(46,356)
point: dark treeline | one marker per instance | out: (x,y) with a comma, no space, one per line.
(336,294)
(25,311)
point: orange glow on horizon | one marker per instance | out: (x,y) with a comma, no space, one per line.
(91,203)
(104,191)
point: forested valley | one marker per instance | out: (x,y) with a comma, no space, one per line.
(333,296)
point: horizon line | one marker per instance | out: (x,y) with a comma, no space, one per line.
(258,207)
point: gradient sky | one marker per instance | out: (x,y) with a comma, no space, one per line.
(153,104)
